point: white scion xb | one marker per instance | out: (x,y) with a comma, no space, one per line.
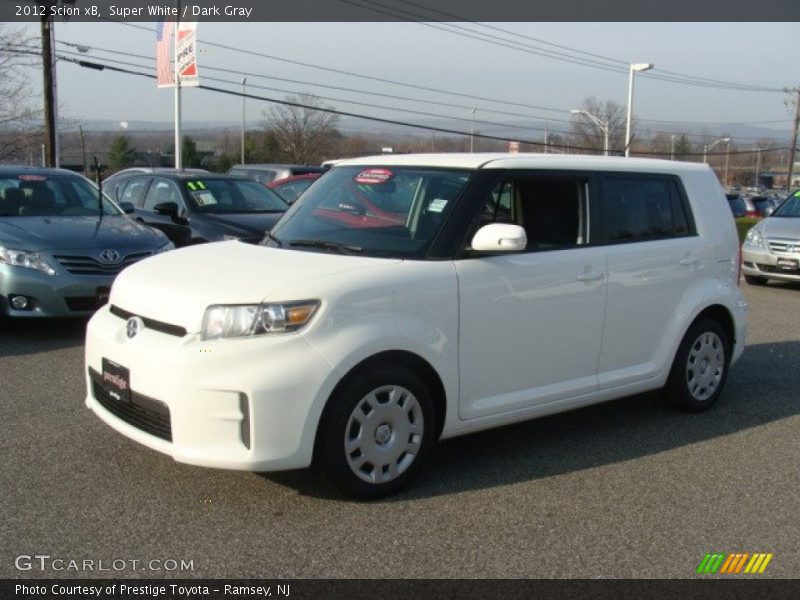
(409,298)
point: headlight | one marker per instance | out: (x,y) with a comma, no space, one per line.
(753,238)
(29,260)
(237,321)
(166,247)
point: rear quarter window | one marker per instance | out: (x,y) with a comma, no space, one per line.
(636,208)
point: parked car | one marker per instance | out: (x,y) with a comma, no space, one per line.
(60,249)
(771,249)
(515,286)
(193,208)
(759,206)
(737,204)
(267,173)
(290,188)
(111,182)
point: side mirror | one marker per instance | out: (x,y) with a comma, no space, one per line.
(169,209)
(127,207)
(500,237)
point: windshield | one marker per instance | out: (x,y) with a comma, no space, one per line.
(394,211)
(219,196)
(50,195)
(789,208)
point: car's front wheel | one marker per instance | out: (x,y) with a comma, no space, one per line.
(375,431)
(700,367)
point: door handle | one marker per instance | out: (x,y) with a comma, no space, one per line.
(592,276)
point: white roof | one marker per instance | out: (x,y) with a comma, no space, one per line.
(504,160)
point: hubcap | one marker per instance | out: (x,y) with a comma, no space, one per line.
(705,366)
(384,434)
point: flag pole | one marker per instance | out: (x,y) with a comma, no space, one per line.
(178,162)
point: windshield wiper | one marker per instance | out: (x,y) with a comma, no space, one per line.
(326,245)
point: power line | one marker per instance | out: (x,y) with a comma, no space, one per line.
(393,82)
(662,74)
(370,105)
(104,66)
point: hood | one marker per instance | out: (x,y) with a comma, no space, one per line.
(176,287)
(51,234)
(245,224)
(780,227)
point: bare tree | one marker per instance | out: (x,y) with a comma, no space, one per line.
(304,133)
(16,111)
(587,134)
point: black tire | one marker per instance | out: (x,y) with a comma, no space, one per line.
(407,414)
(754,280)
(700,368)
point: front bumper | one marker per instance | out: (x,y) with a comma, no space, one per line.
(247,404)
(59,295)
(759,262)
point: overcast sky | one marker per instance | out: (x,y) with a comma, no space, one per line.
(765,54)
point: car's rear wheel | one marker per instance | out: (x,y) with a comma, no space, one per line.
(754,280)
(375,432)
(700,367)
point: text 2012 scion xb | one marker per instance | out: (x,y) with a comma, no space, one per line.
(410,298)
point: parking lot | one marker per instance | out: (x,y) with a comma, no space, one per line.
(625,489)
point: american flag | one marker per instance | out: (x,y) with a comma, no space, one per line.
(165,75)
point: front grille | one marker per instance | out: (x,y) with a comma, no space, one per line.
(88,265)
(167,328)
(784,246)
(148,414)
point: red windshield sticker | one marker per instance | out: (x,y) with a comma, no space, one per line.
(373,176)
(32,178)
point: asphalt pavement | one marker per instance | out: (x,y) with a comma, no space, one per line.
(626,489)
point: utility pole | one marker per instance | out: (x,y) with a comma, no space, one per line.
(545,137)
(244,105)
(83,150)
(793,146)
(49,154)
(758,166)
(727,157)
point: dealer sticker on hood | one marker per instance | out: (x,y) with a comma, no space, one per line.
(374,176)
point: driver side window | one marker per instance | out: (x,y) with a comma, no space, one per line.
(551,210)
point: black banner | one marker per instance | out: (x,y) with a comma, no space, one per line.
(401,10)
(400,589)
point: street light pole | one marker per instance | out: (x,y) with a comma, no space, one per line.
(244,100)
(708,147)
(634,68)
(672,147)
(603,125)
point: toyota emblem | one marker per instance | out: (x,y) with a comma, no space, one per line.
(133,326)
(109,256)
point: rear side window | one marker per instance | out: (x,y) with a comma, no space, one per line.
(133,191)
(640,208)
